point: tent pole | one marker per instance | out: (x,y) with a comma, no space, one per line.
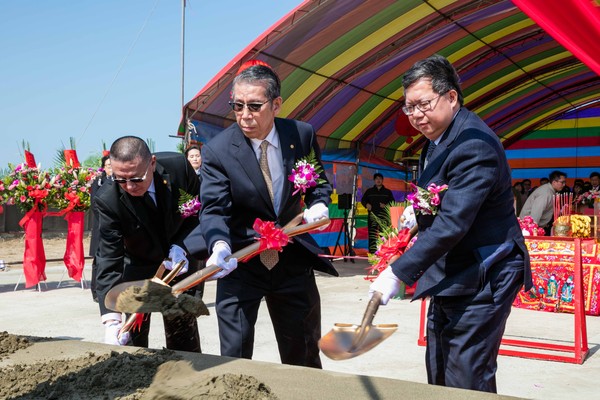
(354,192)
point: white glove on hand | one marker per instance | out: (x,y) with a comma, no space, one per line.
(221,251)
(387,283)
(111,334)
(177,254)
(316,212)
(408,219)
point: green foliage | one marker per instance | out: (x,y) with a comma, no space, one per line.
(184,197)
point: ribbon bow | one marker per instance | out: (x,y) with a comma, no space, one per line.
(270,236)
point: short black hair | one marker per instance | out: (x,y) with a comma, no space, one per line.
(377,175)
(555,175)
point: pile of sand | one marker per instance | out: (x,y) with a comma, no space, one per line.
(143,374)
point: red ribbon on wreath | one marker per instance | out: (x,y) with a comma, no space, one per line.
(34,256)
(74,258)
(271,237)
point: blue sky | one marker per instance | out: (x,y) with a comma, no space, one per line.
(95,70)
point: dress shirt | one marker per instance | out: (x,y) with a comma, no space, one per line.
(275,163)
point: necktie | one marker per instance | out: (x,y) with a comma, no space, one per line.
(149,202)
(268,257)
(264,167)
(430,150)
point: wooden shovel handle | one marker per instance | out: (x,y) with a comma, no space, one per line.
(242,255)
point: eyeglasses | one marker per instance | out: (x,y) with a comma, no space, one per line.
(252,107)
(423,106)
(133,180)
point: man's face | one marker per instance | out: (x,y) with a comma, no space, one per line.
(137,168)
(255,124)
(431,123)
(526,185)
(560,183)
(378,181)
(595,181)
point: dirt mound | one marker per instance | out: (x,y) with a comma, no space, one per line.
(143,374)
(177,380)
(11,343)
(108,376)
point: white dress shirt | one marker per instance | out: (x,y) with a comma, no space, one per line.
(275,164)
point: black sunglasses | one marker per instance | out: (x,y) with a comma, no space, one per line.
(133,180)
(252,107)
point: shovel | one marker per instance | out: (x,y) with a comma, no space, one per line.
(158,277)
(347,341)
(291,229)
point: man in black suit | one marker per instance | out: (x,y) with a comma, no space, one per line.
(374,200)
(470,257)
(140,225)
(235,191)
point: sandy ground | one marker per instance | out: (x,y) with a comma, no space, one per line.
(67,312)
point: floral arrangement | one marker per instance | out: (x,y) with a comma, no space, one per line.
(71,188)
(426,201)
(27,187)
(188,205)
(305,173)
(529,227)
(588,197)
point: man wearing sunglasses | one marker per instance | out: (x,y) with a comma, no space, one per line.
(470,257)
(235,191)
(140,226)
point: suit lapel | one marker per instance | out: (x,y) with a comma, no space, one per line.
(164,197)
(244,153)
(442,150)
(288,153)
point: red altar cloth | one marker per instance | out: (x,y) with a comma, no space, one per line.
(552,269)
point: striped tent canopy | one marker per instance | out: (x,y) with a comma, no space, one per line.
(341,64)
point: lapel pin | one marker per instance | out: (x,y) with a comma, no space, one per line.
(291,146)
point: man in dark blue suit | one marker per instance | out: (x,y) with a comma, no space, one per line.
(244,172)
(470,257)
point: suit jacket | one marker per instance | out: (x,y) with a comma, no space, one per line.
(132,242)
(96,184)
(475,227)
(234,193)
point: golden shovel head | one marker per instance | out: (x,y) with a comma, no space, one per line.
(339,342)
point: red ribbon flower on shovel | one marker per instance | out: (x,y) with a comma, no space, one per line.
(270,236)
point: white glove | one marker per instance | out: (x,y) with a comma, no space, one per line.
(111,333)
(387,283)
(316,212)
(177,254)
(408,219)
(220,252)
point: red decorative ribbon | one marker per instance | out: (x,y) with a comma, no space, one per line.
(391,249)
(74,258)
(270,236)
(34,257)
(137,324)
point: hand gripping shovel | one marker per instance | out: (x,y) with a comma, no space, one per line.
(347,341)
(110,301)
